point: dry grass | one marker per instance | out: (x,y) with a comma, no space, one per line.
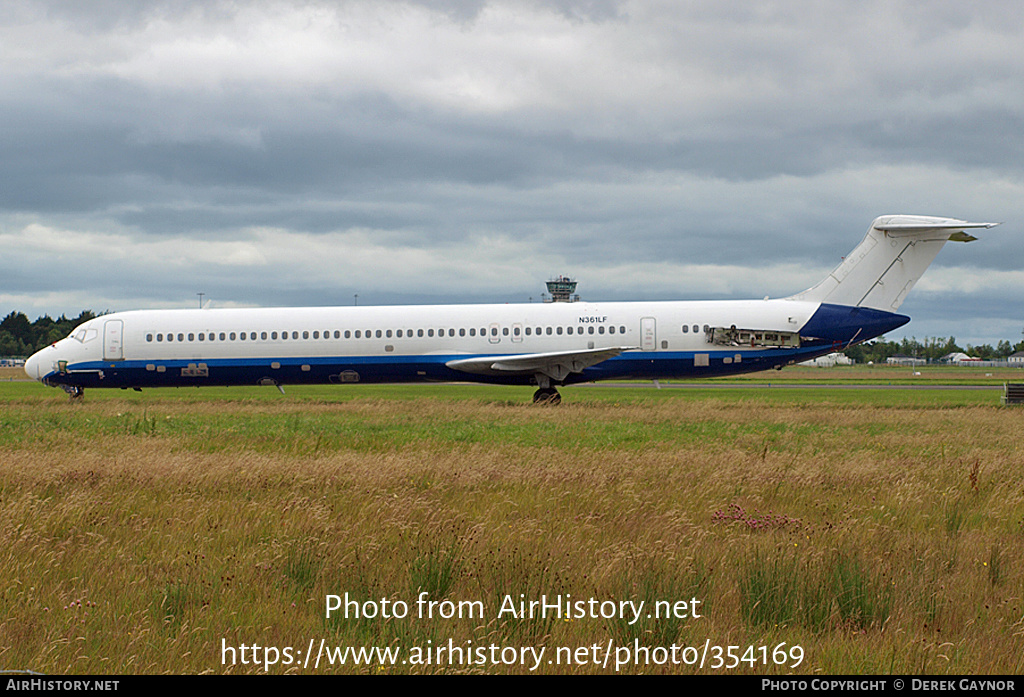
(884,539)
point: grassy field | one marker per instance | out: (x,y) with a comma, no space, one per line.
(880,531)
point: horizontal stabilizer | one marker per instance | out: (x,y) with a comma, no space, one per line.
(905,225)
(556,365)
(890,259)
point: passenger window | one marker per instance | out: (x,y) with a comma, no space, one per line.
(430,332)
(263,335)
(316,335)
(462,332)
(686,329)
(295,335)
(451,332)
(159,337)
(600,330)
(181,337)
(149,337)
(695,329)
(252,335)
(611,330)
(558,330)
(191,337)
(472,331)
(305,334)
(504,331)
(241,335)
(273,335)
(547,331)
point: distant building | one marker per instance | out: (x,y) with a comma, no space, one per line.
(954,357)
(905,360)
(1016,359)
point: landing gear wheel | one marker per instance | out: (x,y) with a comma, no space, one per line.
(547,395)
(74,392)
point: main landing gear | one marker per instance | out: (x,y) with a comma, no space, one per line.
(547,395)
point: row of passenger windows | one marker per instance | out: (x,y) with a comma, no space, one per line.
(494,331)
(696,328)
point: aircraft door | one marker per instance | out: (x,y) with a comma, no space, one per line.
(648,334)
(113,340)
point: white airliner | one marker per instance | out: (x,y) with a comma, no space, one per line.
(542,344)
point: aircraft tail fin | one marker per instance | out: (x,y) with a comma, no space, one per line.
(890,259)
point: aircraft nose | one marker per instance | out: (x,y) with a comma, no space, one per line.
(34,366)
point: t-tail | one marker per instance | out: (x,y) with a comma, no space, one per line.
(883,268)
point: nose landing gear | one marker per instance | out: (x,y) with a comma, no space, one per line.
(74,392)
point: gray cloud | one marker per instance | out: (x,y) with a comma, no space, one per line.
(606,138)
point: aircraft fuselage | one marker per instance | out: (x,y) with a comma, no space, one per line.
(658,340)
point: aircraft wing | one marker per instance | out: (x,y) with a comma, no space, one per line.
(556,365)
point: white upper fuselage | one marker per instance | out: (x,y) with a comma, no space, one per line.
(440,329)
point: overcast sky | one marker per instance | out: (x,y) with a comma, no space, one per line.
(300,153)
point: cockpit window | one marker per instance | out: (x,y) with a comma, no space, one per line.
(83,335)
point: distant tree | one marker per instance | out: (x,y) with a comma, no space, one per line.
(21,338)
(17,324)
(985,352)
(950,347)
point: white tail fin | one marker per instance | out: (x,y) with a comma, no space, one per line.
(887,263)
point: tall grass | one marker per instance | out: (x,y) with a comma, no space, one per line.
(135,535)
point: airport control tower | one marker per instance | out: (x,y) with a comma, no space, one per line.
(562,290)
